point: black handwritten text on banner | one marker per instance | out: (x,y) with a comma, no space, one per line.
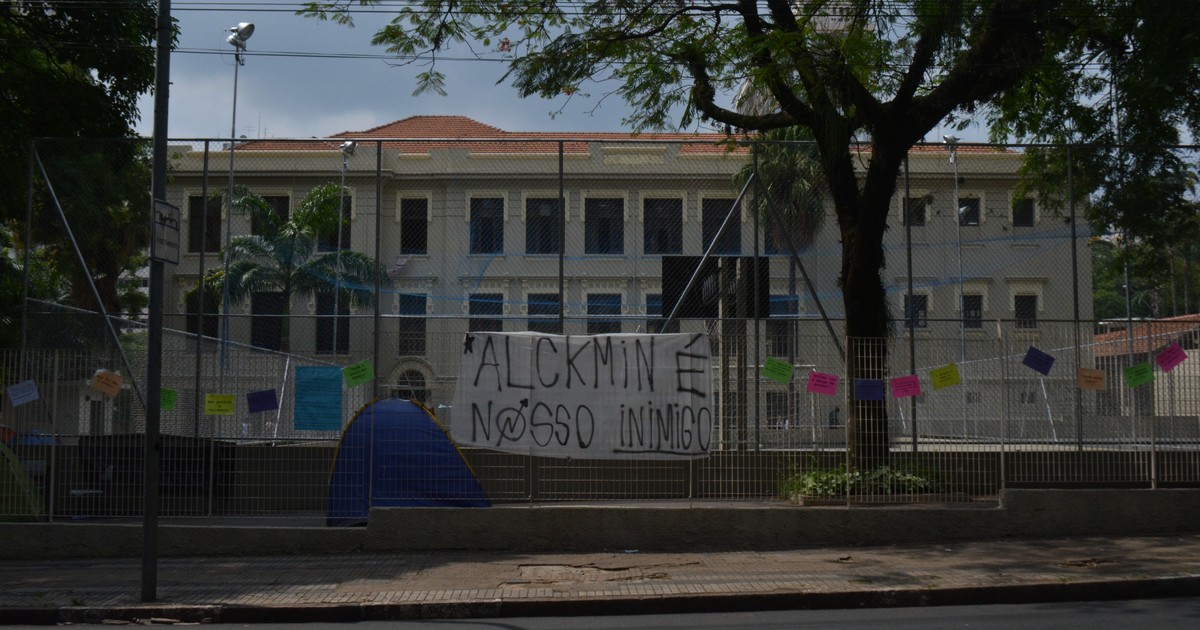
(620,396)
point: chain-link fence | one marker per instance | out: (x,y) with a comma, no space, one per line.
(995,369)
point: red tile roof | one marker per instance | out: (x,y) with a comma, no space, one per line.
(421,134)
(1148,336)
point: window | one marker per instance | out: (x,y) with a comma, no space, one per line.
(779,411)
(543,226)
(968,210)
(485,310)
(412,325)
(1025,309)
(212,306)
(411,387)
(266,323)
(414,226)
(655,317)
(543,313)
(1022,213)
(972,311)
(1028,397)
(662,226)
(974,398)
(713,212)
(204,232)
(325,324)
(603,310)
(780,338)
(916,310)
(279,206)
(487,225)
(604,226)
(328,242)
(916,211)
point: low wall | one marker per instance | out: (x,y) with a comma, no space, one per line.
(556,528)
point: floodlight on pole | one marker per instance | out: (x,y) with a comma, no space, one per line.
(952,142)
(237,38)
(348,148)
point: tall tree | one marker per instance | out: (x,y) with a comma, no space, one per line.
(285,258)
(893,69)
(72,69)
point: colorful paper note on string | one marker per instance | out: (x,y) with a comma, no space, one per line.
(1170,357)
(318,398)
(107,383)
(945,376)
(219,405)
(359,373)
(777,370)
(167,399)
(21,393)
(1088,378)
(906,386)
(1139,374)
(822,383)
(868,389)
(265,400)
(1038,361)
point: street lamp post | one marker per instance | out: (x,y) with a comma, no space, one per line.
(348,148)
(952,142)
(237,38)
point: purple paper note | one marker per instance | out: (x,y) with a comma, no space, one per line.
(1170,357)
(906,386)
(868,389)
(822,383)
(1038,361)
(262,401)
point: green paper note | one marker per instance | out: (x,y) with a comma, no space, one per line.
(359,373)
(1139,374)
(167,398)
(777,370)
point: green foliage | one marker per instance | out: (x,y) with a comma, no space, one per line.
(286,258)
(839,481)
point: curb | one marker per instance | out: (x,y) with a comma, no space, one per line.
(598,606)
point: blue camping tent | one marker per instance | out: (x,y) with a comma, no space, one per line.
(395,453)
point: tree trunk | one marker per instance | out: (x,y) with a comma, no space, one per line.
(862,219)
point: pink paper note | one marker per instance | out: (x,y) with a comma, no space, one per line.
(1170,357)
(906,386)
(822,383)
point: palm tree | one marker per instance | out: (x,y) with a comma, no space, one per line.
(285,257)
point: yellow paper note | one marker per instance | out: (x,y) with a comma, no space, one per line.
(218,405)
(945,376)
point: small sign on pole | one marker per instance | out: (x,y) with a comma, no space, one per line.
(164,246)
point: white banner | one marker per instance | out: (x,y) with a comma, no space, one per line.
(621,396)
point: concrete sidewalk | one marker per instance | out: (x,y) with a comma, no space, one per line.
(426,585)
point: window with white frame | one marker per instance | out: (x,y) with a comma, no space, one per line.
(713,212)
(916,311)
(968,211)
(1022,212)
(278,206)
(329,241)
(1025,310)
(487,225)
(204,223)
(542,309)
(543,225)
(414,225)
(485,311)
(604,225)
(662,226)
(603,313)
(411,342)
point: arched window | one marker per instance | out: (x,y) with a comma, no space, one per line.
(411,387)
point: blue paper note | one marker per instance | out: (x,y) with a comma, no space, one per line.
(262,401)
(1038,361)
(318,398)
(868,389)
